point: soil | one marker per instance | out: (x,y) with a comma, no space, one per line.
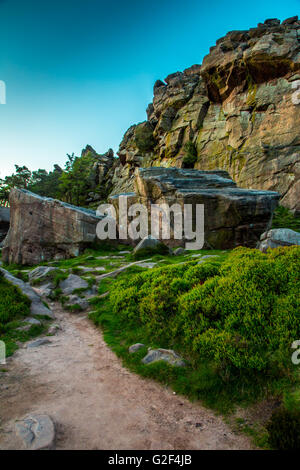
(96,403)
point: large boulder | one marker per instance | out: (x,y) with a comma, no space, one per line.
(72,283)
(278,237)
(232,216)
(42,229)
(238,111)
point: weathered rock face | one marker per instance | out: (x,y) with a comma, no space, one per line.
(4,222)
(238,111)
(42,229)
(233,216)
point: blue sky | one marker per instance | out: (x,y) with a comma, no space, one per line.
(81,72)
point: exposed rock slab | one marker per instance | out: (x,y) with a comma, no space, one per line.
(37,307)
(71,283)
(42,229)
(37,432)
(278,237)
(38,342)
(135,347)
(166,355)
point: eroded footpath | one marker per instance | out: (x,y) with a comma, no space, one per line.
(96,403)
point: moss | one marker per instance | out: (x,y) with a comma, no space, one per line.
(251,98)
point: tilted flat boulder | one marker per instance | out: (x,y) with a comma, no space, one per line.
(71,283)
(278,237)
(232,216)
(42,229)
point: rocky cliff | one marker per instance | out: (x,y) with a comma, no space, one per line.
(237,111)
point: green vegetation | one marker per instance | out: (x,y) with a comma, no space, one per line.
(233,320)
(144,138)
(190,157)
(283,429)
(77,179)
(71,185)
(161,249)
(40,182)
(284,218)
(14,307)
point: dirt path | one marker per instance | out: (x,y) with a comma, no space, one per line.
(96,403)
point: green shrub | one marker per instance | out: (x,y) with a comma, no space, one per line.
(243,314)
(284,429)
(284,218)
(190,157)
(13,303)
(144,138)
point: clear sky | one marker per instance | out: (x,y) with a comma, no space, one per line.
(81,72)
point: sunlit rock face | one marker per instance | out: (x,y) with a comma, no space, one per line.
(42,229)
(238,112)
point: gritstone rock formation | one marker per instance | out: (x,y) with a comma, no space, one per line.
(42,229)
(233,216)
(237,111)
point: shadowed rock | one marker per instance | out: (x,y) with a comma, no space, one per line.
(4,222)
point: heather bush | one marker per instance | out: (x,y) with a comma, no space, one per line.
(242,314)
